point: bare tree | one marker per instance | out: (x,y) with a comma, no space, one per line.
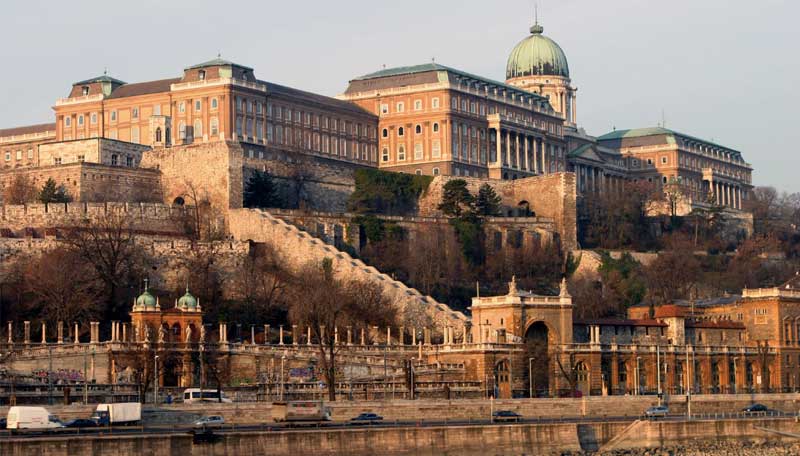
(569,370)
(20,191)
(325,303)
(262,283)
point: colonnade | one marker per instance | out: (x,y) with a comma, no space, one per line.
(727,194)
(593,179)
(517,150)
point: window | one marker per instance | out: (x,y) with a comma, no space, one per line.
(67,122)
(181,131)
(81,158)
(418,151)
(417,105)
(436,127)
(182,107)
(418,129)
(259,131)
(401,152)
(400,131)
(80,120)
(384,109)
(385,133)
(418,172)
(135,134)
(258,108)
(649,161)
(197,131)
(113,159)
(19,155)
(57,161)
(663,160)
(214,103)
(93,118)
(158,134)
(157,110)
(385,154)
(214,126)
(129,161)
(85,90)
(401,107)
(135,113)
(198,106)
(201,75)
(436,149)
(435,103)
(435,171)
(239,125)
(30,154)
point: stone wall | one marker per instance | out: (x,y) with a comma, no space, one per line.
(92,150)
(207,171)
(552,196)
(297,249)
(93,182)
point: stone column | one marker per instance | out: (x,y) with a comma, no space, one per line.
(280,335)
(252,335)
(75,334)
(349,335)
(413,335)
(498,147)
(516,151)
(60,332)
(401,336)
(507,152)
(266,335)
(545,158)
(124,332)
(322,334)
(308,335)
(336,335)
(363,337)
(10,333)
(27,333)
(426,334)
(93,332)
(388,335)
(294,335)
(526,153)
(44,333)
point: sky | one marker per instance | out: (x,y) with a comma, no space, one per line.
(723,70)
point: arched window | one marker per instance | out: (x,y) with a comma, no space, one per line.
(418,129)
(436,127)
(400,131)
(158,134)
(385,133)
(401,152)
(385,154)
(198,128)
(181,131)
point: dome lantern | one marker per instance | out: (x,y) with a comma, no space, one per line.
(537,55)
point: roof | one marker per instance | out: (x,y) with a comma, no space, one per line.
(714,324)
(216,62)
(619,322)
(427,67)
(315,98)
(793,283)
(537,54)
(28,129)
(655,131)
(144,88)
(103,78)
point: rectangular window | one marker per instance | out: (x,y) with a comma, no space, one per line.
(198,106)
(19,155)
(135,113)
(30,154)
(435,103)
(258,107)
(80,120)
(436,148)
(214,103)
(93,118)
(401,107)
(67,122)
(417,105)
(384,109)
(418,151)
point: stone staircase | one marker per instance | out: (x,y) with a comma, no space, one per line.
(298,248)
(619,439)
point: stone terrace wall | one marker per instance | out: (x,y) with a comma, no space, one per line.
(327,184)
(213,169)
(149,217)
(552,196)
(94,182)
(297,248)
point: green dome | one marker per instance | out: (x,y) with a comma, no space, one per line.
(537,55)
(146,300)
(187,301)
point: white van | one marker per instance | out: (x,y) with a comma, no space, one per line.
(31,418)
(196,395)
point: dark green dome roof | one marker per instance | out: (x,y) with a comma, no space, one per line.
(146,300)
(537,55)
(187,301)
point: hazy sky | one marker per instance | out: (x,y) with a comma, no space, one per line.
(725,70)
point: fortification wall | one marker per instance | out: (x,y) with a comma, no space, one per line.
(298,248)
(208,171)
(37,218)
(92,182)
(552,196)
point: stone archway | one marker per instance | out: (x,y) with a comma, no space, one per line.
(537,358)
(582,378)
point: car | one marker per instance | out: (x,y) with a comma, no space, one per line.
(210,421)
(657,411)
(506,416)
(366,418)
(3,423)
(80,423)
(755,408)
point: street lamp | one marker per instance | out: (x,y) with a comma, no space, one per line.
(530,376)
(155,379)
(283,363)
(412,378)
(638,376)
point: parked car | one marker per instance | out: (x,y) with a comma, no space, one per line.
(755,408)
(368,418)
(81,423)
(210,421)
(657,411)
(506,416)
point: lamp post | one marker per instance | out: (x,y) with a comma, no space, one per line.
(283,363)
(412,377)
(155,379)
(530,376)
(638,376)
(658,373)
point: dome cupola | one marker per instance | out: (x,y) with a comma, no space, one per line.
(145,301)
(187,301)
(537,55)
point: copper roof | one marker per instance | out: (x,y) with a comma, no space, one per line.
(144,88)
(28,129)
(302,95)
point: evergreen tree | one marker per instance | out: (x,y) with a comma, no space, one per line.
(260,191)
(52,193)
(456,199)
(487,204)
